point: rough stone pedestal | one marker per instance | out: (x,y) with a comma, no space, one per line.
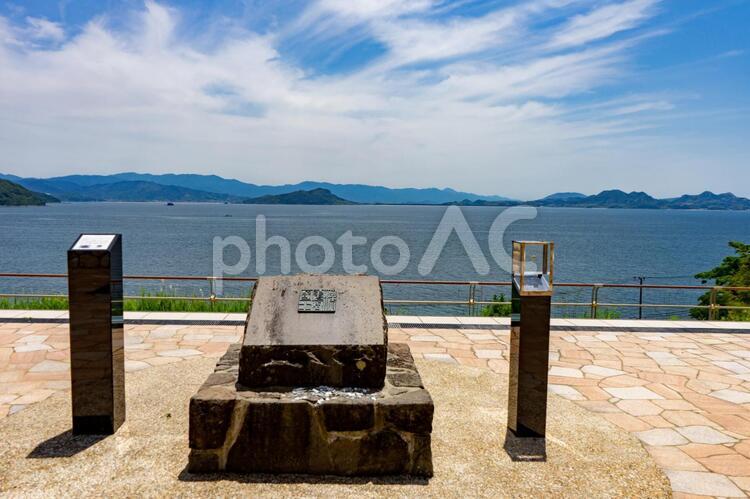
(337,431)
(284,346)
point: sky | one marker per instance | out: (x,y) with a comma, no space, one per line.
(518,99)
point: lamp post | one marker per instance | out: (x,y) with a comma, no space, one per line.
(97,356)
(531,305)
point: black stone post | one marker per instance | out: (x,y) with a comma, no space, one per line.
(97,357)
(529,361)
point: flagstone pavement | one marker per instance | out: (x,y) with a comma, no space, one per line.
(685,395)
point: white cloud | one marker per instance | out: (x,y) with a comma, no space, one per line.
(548,77)
(34,29)
(643,107)
(158,26)
(731,53)
(368,9)
(603,22)
(413,40)
(43,29)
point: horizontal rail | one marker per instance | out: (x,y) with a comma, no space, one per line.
(427,302)
(128,297)
(142,277)
(651,305)
(193,298)
(405,281)
(186,278)
(472,302)
(45,276)
(445,283)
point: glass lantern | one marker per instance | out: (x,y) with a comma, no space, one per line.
(533,267)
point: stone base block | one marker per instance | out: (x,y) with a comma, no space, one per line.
(313,365)
(323,430)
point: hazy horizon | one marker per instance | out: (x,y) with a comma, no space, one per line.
(500,194)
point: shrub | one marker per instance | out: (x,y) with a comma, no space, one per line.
(498,308)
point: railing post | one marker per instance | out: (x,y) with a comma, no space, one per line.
(640,296)
(594,299)
(211,291)
(472,298)
(712,305)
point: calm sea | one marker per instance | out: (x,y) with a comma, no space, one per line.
(592,245)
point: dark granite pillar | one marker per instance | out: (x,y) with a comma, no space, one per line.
(97,360)
(529,362)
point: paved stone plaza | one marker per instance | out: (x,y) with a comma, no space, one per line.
(684,394)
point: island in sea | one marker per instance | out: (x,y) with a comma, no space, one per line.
(634,200)
(313,196)
(12,194)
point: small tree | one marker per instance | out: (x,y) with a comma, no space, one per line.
(498,308)
(733,271)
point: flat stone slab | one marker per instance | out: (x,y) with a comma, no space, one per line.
(320,430)
(311,330)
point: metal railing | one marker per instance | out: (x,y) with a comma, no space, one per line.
(472,302)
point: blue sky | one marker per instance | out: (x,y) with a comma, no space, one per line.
(496,97)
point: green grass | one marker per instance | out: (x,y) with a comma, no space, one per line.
(163,303)
(158,302)
(602,313)
(60,303)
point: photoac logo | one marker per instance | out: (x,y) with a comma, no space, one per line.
(453,221)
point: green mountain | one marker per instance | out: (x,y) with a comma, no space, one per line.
(619,199)
(12,194)
(314,196)
(563,195)
(483,202)
(145,191)
(710,201)
(608,199)
(74,187)
(60,189)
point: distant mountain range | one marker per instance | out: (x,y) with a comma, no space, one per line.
(144,191)
(212,188)
(639,200)
(186,187)
(12,194)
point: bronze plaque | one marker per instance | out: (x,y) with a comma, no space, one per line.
(317,301)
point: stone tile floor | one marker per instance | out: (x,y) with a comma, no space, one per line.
(685,395)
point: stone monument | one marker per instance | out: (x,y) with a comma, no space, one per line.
(97,360)
(314,387)
(311,337)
